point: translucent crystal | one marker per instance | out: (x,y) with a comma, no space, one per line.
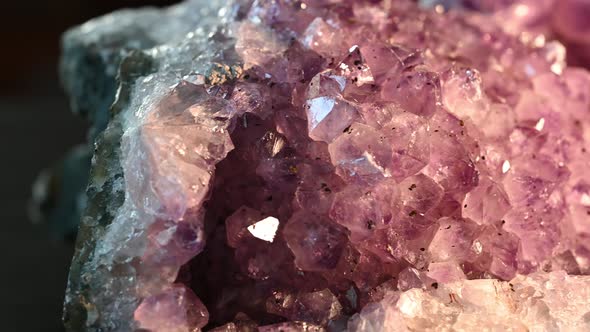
(321,165)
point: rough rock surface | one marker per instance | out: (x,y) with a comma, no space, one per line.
(286,165)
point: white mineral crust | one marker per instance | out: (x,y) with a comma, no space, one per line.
(539,302)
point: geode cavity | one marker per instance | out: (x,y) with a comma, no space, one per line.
(327,165)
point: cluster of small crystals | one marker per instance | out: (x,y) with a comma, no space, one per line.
(365,157)
(543,301)
(566,20)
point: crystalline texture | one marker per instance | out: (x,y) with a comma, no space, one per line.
(327,165)
(316,242)
(540,301)
(177,309)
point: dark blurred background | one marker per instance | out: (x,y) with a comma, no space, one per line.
(36,129)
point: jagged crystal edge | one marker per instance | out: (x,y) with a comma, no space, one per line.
(98,298)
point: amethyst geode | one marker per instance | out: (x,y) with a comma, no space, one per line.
(335,165)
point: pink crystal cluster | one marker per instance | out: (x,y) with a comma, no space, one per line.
(369,151)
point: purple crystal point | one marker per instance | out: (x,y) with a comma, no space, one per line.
(316,242)
(177,309)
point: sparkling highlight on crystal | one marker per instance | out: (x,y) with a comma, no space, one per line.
(265,229)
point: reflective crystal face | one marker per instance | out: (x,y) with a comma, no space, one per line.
(330,165)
